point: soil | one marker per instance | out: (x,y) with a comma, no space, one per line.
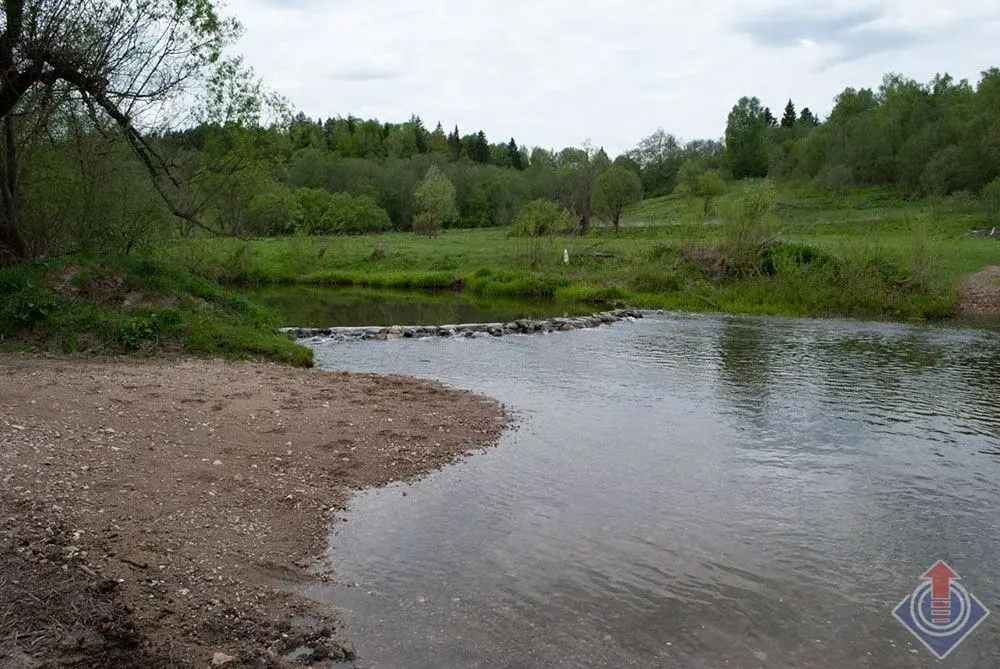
(979,296)
(163,513)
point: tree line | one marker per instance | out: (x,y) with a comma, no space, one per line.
(104,151)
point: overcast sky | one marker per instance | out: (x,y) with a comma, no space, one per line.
(555,73)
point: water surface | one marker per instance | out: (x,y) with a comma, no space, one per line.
(685,491)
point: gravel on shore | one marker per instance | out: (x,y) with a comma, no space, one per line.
(159,513)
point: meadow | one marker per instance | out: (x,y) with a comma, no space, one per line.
(867,253)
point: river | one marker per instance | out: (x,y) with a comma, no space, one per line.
(685,491)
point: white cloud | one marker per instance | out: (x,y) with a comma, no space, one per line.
(556,72)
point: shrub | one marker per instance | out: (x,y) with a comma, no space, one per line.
(356,215)
(747,228)
(991,197)
(784,257)
(270,214)
(542,218)
(309,207)
(426,224)
(318,212)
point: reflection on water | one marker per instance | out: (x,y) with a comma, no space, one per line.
(324,307)
(686,491)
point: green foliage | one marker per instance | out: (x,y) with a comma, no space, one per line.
(746,228)
(747,146)
(710,184)
(120,304)
(617,189)
(788,119)
(542,218)
(271,213)
(426,224)
(317,212)
(435,197)
(991,196)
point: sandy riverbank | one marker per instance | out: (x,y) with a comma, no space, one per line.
(155,513)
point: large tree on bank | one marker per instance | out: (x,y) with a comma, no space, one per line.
(131,65)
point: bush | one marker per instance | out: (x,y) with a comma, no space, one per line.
(783,257)
(356,215)
(747,228)
(991,197)
(426,224)
(270,214)
(318,212)
(542,218)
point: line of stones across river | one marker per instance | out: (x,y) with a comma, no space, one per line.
(522,326)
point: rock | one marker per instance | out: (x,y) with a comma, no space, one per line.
(19,660)
(395,332)
(220,659)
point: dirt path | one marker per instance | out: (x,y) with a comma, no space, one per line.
(979,296)
(154,514)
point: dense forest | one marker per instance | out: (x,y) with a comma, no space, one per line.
(80,180)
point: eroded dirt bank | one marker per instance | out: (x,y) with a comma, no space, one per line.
(154,513)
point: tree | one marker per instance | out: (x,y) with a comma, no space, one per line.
(435,197)
(454,144)
(578,173)
(659,156)
(710,184)
(769,119)
(747,144)
(807,119)
(788,118)
(695,180)
(516,159)
(617,189)
(124,62)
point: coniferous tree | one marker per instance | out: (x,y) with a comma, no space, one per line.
(455,143)
(420,134)
(769,119)
(516,161)
(807,118)
(788,118)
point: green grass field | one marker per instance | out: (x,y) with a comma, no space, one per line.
(870,254)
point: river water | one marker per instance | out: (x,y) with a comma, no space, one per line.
(685,491)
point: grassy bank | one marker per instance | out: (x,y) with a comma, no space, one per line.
(870,254)
(127,305)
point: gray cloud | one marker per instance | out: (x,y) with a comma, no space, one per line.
(855,34)
(788,27)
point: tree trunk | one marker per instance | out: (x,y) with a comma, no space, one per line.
(584,223)
(12,249)
(615,220)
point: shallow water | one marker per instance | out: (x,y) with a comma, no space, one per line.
(685,491)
